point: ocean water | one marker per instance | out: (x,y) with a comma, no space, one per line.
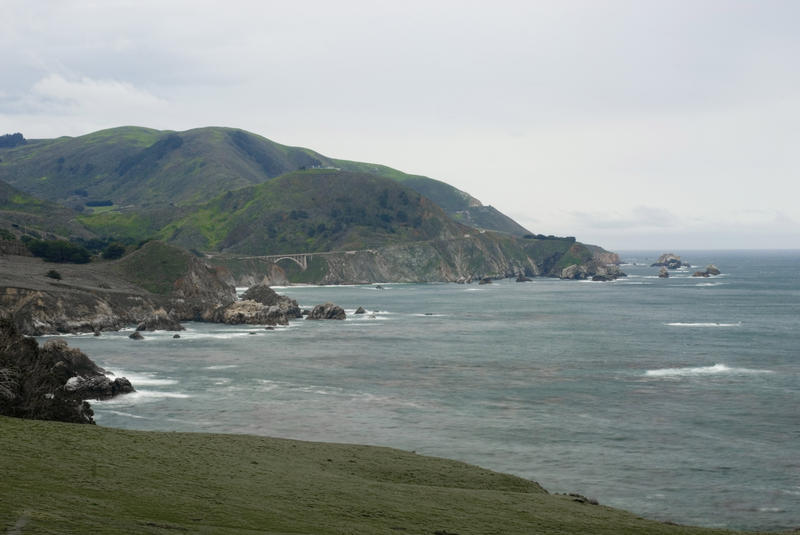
(676,399)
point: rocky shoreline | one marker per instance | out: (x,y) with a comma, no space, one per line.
(52,381)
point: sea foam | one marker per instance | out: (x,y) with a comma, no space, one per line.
(716,369)
(703,324)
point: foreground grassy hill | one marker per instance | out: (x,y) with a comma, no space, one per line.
(127,168)
(62,478)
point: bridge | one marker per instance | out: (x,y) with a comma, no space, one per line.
(301,259)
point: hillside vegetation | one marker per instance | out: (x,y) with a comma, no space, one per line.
(62,478)
(313,211)
(132,168)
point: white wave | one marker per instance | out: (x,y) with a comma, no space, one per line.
(716,369)
(129,415)
(706,284)
(474,290)
(703,324)
(141,396)
(430,315)
(221,367)
(142,379)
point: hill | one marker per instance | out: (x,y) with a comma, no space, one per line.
(132,167)
(62,478)
(313,211)
(23,214)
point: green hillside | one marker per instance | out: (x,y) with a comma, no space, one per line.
(133,169)
(67,478)
(22,214)
(312,211)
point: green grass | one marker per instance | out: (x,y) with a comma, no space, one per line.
(155,266)
(63,478)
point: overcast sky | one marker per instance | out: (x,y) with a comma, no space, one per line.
(630,124)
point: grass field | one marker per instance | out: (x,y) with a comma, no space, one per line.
(63,478)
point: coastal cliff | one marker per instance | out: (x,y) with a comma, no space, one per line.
(153,280)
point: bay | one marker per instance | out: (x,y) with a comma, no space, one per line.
(676,399)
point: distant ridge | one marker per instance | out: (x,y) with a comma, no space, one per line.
(140,167)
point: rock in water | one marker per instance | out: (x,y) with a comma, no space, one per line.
(360,310)
(711,269)
(136,336)
(327,311)
(663,273)
(522,278)
(261,293)
(250,313)
(670,261)
(485,280)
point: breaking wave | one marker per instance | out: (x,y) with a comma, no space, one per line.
(716,369)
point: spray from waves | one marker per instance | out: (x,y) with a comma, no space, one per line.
(716,369)
(140,396)
(703,324)
(143,379)
(221,367)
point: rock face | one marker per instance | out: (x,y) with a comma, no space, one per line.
(670,261)
(160,320)
(250,313)
(103,297)
(50,382)
(261,293)
(326,311)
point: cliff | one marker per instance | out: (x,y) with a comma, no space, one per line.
(109,295)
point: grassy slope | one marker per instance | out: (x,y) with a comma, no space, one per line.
(30,213)
(311,211)
(61,478)
(155,266)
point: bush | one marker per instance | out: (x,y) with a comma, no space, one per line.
(59,251)
(113,251)
(53,274)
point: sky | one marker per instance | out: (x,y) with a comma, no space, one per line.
(633,124)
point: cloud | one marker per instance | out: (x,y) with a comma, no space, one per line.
(57,94)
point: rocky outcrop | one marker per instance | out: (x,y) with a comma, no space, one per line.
(663,272)
(360,310)
(265,295)
(50,382)
(710,270)
(200,292)
(522,278)
(326,311)
(669,261)
(160,321)
(250,313)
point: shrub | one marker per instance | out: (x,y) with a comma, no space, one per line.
(53,274)
(59,251)
(113,251)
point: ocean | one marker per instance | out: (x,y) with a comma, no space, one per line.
(677,399)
